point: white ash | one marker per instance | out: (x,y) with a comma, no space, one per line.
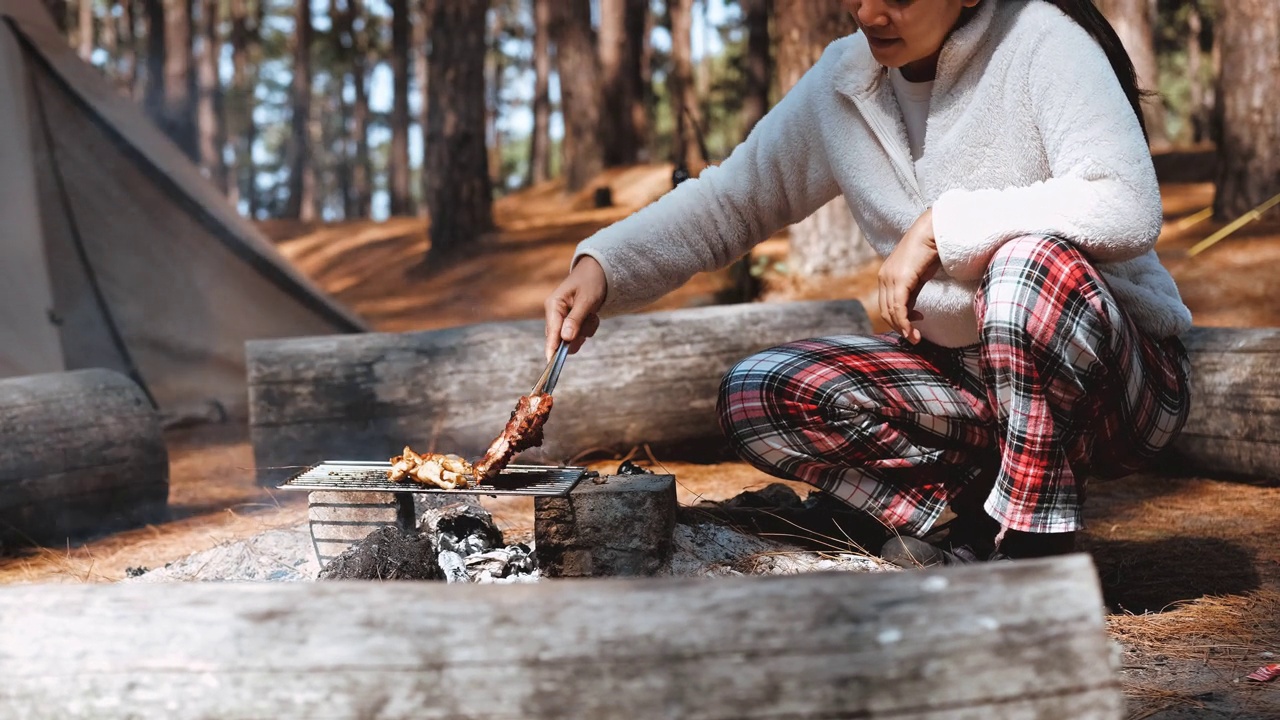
(284,555)
(702,549)
(454,567)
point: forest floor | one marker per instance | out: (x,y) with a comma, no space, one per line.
(1190,566)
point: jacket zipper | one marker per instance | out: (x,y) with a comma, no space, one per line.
(905,167)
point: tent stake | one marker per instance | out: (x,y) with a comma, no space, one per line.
(1235,225)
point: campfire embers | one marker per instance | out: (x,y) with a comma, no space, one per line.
(456,543)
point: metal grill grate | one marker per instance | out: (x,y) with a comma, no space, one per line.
(372,476)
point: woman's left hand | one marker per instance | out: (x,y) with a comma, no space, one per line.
(911,264)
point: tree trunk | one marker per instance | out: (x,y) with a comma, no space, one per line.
(180,91)
(355,60)
(1249,95)
(84,30)
(213,133)
(829,242)
(240,105)
(1195,28)
(459,194)
(540,140)
(646,112)
(1134,21)
(153,92)
(109,40)
(576,61)
(302,181)
(127,36)
(755,101)
(621,26)
(683,94)
(58,9)
(340,42)
(422,71)
(493,68)
(398,162)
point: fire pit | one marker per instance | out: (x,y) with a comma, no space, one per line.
(350,499)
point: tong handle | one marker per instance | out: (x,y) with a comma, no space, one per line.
(551,375)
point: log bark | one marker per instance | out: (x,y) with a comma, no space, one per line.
(643,379)
(994,641)
(82,453)
(1234,425)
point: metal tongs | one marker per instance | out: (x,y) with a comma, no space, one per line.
(547,381)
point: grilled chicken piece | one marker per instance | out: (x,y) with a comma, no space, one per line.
(443,471)
(523,431)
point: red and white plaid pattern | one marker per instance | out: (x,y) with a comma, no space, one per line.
(1061,386)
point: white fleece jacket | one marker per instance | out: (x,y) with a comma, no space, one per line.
(1028,133)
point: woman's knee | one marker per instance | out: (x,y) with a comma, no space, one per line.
(1026,277)
(741,388)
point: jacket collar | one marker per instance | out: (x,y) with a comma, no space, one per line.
(858,75)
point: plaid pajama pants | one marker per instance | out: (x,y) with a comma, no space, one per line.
(1060,387)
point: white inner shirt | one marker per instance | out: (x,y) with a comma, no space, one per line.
(913,98)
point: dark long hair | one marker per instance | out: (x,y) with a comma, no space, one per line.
(1089,17)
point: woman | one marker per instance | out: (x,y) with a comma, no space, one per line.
(993,152)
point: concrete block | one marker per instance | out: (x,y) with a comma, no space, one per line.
(619,525)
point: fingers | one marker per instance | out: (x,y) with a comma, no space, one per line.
(575,322)
(572,309)
(589,327)
(896,301)
(557,306)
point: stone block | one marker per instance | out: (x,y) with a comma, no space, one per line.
(618,525)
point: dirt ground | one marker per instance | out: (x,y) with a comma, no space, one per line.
(1190,566)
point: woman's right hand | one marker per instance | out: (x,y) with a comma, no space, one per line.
(572,309)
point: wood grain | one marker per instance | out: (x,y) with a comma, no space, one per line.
(82,452)
(1234,424)
(995,641)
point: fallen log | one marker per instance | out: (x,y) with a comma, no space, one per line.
(82,453)
(1234,424)
(643,379)
(995,641)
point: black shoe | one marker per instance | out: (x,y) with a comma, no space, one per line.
(967,539)
(909,553)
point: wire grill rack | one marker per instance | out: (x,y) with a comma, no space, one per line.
(372,477)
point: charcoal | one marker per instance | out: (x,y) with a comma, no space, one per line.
(462,528)
(454,567)
(629,468)
(386,554)
(501,563)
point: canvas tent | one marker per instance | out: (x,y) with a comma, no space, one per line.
(115,252)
